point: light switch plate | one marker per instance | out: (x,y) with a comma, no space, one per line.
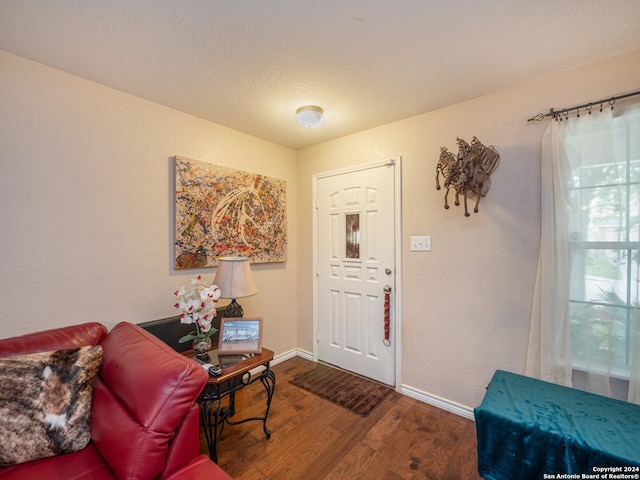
(421,244)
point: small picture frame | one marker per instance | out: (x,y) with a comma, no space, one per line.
(240,335)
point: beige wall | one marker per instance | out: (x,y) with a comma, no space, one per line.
(466,304)
(86,201)
(86,195)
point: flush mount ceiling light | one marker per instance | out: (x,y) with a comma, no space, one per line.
(309,116)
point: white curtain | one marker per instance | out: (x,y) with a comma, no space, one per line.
(591,143)
(549,351)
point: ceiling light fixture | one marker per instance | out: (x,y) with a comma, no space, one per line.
(309,116)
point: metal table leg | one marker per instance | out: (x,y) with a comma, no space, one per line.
(213,415)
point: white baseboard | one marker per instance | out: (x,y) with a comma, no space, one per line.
(282,358)
(296,352)
(436,401)
(419,395)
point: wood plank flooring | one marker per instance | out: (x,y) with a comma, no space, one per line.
(311,438)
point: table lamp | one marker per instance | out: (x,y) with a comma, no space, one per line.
(234,279)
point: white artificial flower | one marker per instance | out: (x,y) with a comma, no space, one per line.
(211,293)
(205,324)
(193,305)
(198,307)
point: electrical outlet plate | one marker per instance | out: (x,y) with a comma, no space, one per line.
(421,244)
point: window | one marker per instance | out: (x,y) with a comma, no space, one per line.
(604,234)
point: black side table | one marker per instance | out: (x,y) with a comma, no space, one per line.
(236,374)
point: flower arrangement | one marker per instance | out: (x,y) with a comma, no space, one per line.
(198,307)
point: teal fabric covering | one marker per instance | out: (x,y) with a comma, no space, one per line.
(527,428)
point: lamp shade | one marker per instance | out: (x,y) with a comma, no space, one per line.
(309,116)
(233,277)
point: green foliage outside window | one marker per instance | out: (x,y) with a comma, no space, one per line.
(603,327)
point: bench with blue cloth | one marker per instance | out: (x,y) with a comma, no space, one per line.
(529,428)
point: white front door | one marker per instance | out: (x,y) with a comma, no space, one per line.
(355,245)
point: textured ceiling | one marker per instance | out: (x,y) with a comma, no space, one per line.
(249,64)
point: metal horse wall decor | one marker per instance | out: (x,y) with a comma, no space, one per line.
(468,173)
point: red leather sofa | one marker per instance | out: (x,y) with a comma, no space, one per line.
(144,416)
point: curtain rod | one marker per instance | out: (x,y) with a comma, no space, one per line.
(554,113)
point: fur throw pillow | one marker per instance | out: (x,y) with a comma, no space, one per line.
(45,403)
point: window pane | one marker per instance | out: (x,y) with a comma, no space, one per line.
(634,279)
(352,235)
(599,332)
(606,214)
(634,212)
(634,153)
(599,157)
(597,272)
(603,174)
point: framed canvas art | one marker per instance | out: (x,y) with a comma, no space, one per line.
(221,212)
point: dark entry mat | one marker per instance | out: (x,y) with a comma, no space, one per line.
(355,393)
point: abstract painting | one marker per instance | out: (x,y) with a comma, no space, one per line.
(223,212)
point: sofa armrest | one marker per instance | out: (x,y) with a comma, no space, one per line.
(185,445)
(143,393)
(200,467)
(86,334)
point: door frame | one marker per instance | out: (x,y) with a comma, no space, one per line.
(396,296)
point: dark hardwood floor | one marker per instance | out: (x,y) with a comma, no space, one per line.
(315,439)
